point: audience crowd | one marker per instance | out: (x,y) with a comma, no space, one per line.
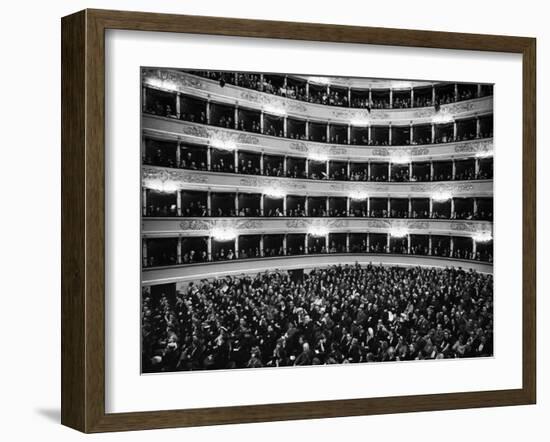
(168,256)
(196,208)
(337,315)
(296,130)
(250,164)
(295,88)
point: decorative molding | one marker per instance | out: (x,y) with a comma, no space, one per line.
(195,225)
(349,187)
(334,223)
(462,106)
(162,178)
(419,151)
(165,179)
(207,224)
(379,224)
(255,97)
(272,100)
(337,223)
(247,139)
(418,225)
(452,188)
(297,223)
(337,150)
(233,135)
(248,224)
(464,226)
(195,131)
(185,83)
(299,146)
(224,223)
(296,107)
(171,79)
(272,182)
(167,128)
(425,112)
(381,152)
(175,226)
(482,146)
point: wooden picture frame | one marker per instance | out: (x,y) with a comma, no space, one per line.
(83,219)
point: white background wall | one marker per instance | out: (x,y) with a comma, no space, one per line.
(30,221)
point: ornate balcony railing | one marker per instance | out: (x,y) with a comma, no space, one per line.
(159,178)
(176,130)
(185,83)
(172,227)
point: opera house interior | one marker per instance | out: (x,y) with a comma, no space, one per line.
(305,220)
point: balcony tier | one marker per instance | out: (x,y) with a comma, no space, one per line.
(155,177)
(172,227)
(163,128)
(189,84)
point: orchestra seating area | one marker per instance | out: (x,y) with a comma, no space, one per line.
(336,315)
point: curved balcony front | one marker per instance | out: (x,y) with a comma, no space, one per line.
(206,89)
(169,129)
(158,178)
(196,272)
(171,227)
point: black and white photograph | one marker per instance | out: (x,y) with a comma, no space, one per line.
(275,221)
(296,220)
